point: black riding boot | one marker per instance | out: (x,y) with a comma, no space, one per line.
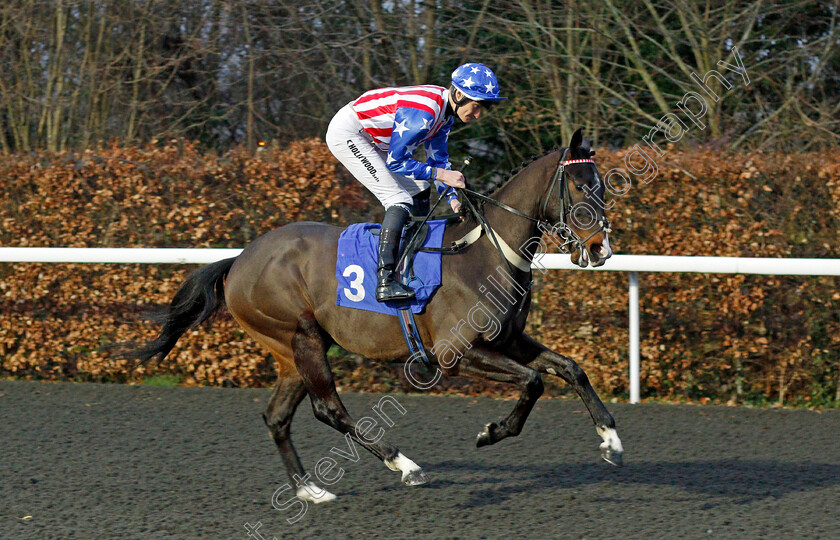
(387,287)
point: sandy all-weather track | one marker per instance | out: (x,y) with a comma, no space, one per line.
(111,461)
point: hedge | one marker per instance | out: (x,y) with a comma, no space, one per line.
(728,338)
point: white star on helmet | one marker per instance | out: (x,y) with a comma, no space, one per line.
(474,69)
(468,82)
(489,86)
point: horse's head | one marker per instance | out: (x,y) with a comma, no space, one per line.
(575,204)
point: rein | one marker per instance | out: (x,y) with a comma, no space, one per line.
(559,177)
(570,240)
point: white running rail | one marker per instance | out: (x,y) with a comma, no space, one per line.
(705,265)
(552,261)
(116,255)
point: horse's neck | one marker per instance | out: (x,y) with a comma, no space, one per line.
(523,192)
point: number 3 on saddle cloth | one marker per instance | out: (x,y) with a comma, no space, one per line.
(355,269)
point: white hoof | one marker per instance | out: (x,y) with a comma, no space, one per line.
(312,493)
(611,449)
(412,474)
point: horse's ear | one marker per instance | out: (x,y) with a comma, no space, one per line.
(577,138)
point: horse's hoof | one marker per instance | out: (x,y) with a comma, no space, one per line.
(612,457)
(611,449)
(415,478)
(314,494)
(485,436)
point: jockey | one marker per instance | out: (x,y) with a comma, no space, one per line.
(375,137)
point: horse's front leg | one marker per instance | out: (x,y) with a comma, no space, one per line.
(492,365)
(534,354)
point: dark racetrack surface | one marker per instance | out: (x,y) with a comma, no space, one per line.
(111,461)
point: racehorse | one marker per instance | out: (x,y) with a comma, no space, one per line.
(282,290)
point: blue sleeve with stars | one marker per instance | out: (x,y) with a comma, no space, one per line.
(437,155)
(410,127)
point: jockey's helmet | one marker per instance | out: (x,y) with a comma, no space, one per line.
(477,82)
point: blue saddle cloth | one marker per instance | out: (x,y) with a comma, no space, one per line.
(355,269)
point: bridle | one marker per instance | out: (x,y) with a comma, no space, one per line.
(571,241)
(559,179)
(568,235)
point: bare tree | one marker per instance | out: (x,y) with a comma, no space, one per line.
(223,72)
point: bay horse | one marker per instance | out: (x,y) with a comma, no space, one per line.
(282,291)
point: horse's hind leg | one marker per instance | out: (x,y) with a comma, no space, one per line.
(310,344)
(287,395)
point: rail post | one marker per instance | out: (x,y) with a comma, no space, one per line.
(634,337)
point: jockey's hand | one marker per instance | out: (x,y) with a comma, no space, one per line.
(456,205)
(451,178)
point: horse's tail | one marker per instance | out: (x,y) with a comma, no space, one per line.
(199,297)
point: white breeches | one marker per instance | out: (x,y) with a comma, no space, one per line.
(356,151)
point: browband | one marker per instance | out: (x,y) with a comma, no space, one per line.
(573,161)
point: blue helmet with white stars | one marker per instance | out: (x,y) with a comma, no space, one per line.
(477,82)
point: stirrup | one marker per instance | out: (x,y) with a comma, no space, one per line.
(389,289)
